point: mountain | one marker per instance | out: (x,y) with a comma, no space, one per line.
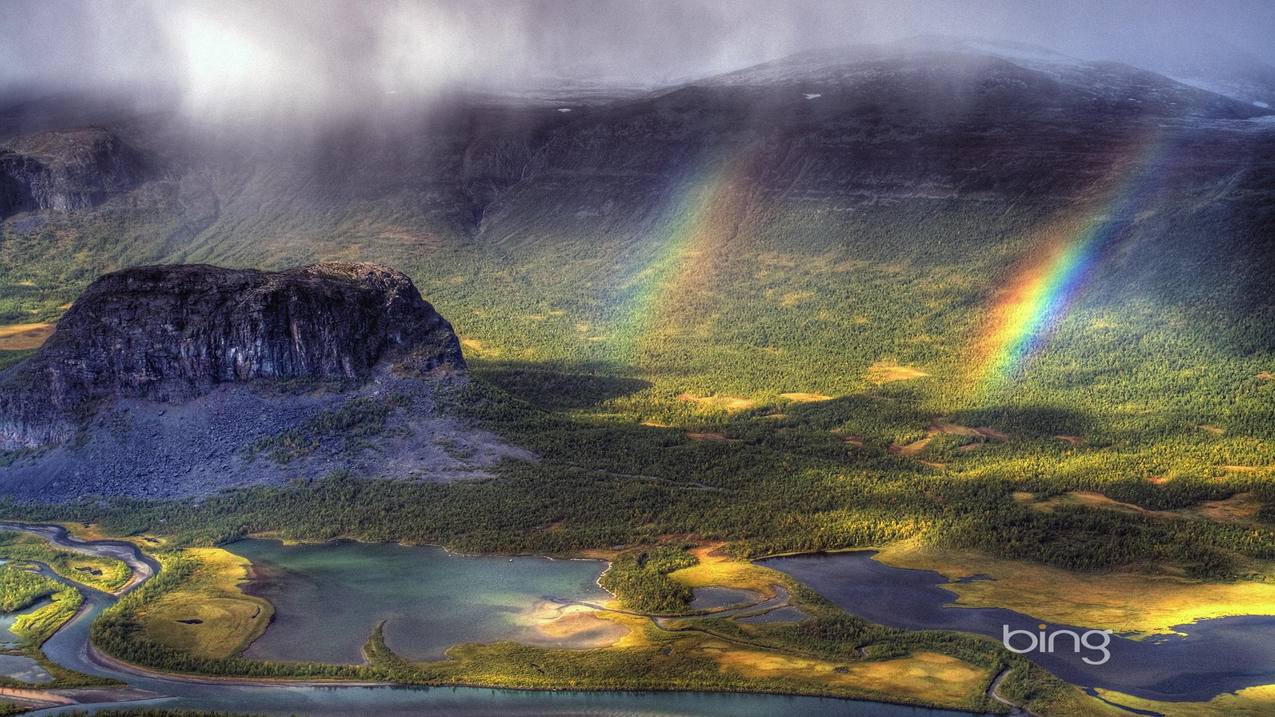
(220,374)
(936,75)
(66,169)
(841,208)
(1211,63)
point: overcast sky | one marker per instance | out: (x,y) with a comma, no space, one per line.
(315,52)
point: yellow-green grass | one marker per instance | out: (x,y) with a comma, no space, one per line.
(23,337)
(922,676)
(208,616)
(107,574)
(1239,508)
(1123,602)
(719,570)
(93,531)
(653,659)
(1256,701)
(39,625)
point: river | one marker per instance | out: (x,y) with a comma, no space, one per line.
(70,648)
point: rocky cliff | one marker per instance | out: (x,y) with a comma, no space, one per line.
(66,169)
(168,334)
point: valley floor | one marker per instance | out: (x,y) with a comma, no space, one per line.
(721,649)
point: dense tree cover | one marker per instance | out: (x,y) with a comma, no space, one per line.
(789,483)
(20,587)
(639,579)
(591,352)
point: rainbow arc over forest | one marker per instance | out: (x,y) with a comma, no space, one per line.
(705,207)
(1047,283)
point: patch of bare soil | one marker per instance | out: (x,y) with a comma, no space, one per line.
(571,626)
(856,441)
(984,434)
(1243,469)
(913,448)
(478,348)
(729,404)
(805,397)
(710,437)
(23,337)
(888,372)
(1239,508)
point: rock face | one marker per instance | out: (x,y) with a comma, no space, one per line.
(65,170)
(172,333)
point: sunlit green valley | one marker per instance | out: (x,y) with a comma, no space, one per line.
(816,384)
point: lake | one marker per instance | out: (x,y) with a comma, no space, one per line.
(329,597)
(69,648)
(1214,656)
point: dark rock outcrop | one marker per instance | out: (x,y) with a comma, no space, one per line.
(66,170)
(171,333)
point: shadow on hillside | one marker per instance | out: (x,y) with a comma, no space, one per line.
(557,388)
(1028,420)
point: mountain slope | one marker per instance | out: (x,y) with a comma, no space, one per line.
(181,380)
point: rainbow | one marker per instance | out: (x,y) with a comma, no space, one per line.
(689,241)
(1048,281)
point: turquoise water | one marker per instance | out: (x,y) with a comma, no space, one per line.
(329,597)
(68,647)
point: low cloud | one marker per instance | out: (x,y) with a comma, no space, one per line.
(231,58)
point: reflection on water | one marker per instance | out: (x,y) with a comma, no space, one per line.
(23,668)
(329,597)
(68,648)
(1215,656)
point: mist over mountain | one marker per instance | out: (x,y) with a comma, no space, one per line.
(234,61)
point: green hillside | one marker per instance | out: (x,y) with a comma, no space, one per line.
(740,318)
